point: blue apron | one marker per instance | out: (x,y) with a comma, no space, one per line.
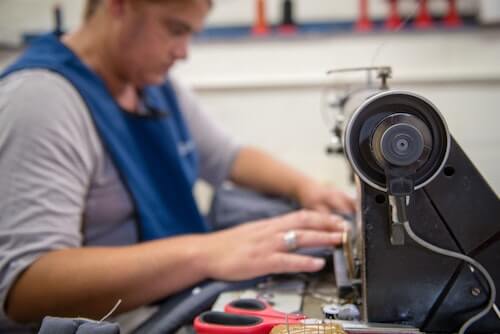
(155,155)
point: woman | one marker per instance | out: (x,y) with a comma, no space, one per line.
(99,151)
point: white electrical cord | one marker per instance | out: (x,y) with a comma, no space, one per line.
(497,311)
(467,259)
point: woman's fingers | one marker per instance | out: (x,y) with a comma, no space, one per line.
(288,263)
(310,220)
(343,203)
(264,247)
(308,238)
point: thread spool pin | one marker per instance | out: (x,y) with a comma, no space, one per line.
(393,20)
(260,27)
(363,23)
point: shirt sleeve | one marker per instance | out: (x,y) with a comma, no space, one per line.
(45,168)
(217,150)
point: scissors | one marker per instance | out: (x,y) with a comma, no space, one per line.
(246,316)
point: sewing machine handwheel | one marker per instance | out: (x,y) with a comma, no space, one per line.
(395,129)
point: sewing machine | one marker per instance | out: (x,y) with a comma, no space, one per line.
(419,197)
(414,179)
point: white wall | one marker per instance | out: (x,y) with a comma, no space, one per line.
(241,11)
(20,16)
(489,11)
(268,91)
(286,121)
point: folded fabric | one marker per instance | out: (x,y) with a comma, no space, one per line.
(52,325)
(232,205)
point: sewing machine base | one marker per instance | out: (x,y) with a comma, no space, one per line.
(411,285)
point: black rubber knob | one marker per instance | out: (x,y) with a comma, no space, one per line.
(402,144)
(288,18)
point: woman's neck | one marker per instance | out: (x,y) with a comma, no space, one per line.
(88,45)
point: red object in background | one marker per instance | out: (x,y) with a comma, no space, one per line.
(393,22)
(287,29)
(452,19)
(260,27)
(363,23)
(287,26)
(423,19)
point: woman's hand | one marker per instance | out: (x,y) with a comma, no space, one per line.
(315,196)
(258,170)
(259,248)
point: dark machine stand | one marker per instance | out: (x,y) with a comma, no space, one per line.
(411,285)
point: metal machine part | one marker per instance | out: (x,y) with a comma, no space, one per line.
(397,142)
(347,103)
(412,172)
(396,129)
(341,312)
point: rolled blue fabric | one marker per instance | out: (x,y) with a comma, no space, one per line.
(52,325)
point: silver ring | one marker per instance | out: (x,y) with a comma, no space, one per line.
(290,239)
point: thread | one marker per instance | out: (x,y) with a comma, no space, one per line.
(402,24)
(112,311)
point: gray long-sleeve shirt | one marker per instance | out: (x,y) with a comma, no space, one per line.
(58,186)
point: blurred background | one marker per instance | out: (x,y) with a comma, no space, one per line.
(260,67)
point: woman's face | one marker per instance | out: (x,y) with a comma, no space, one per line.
(149,37)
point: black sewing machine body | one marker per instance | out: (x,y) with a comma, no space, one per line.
(411,285)
(409,169)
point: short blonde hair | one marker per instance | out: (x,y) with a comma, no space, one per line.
(91,6)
